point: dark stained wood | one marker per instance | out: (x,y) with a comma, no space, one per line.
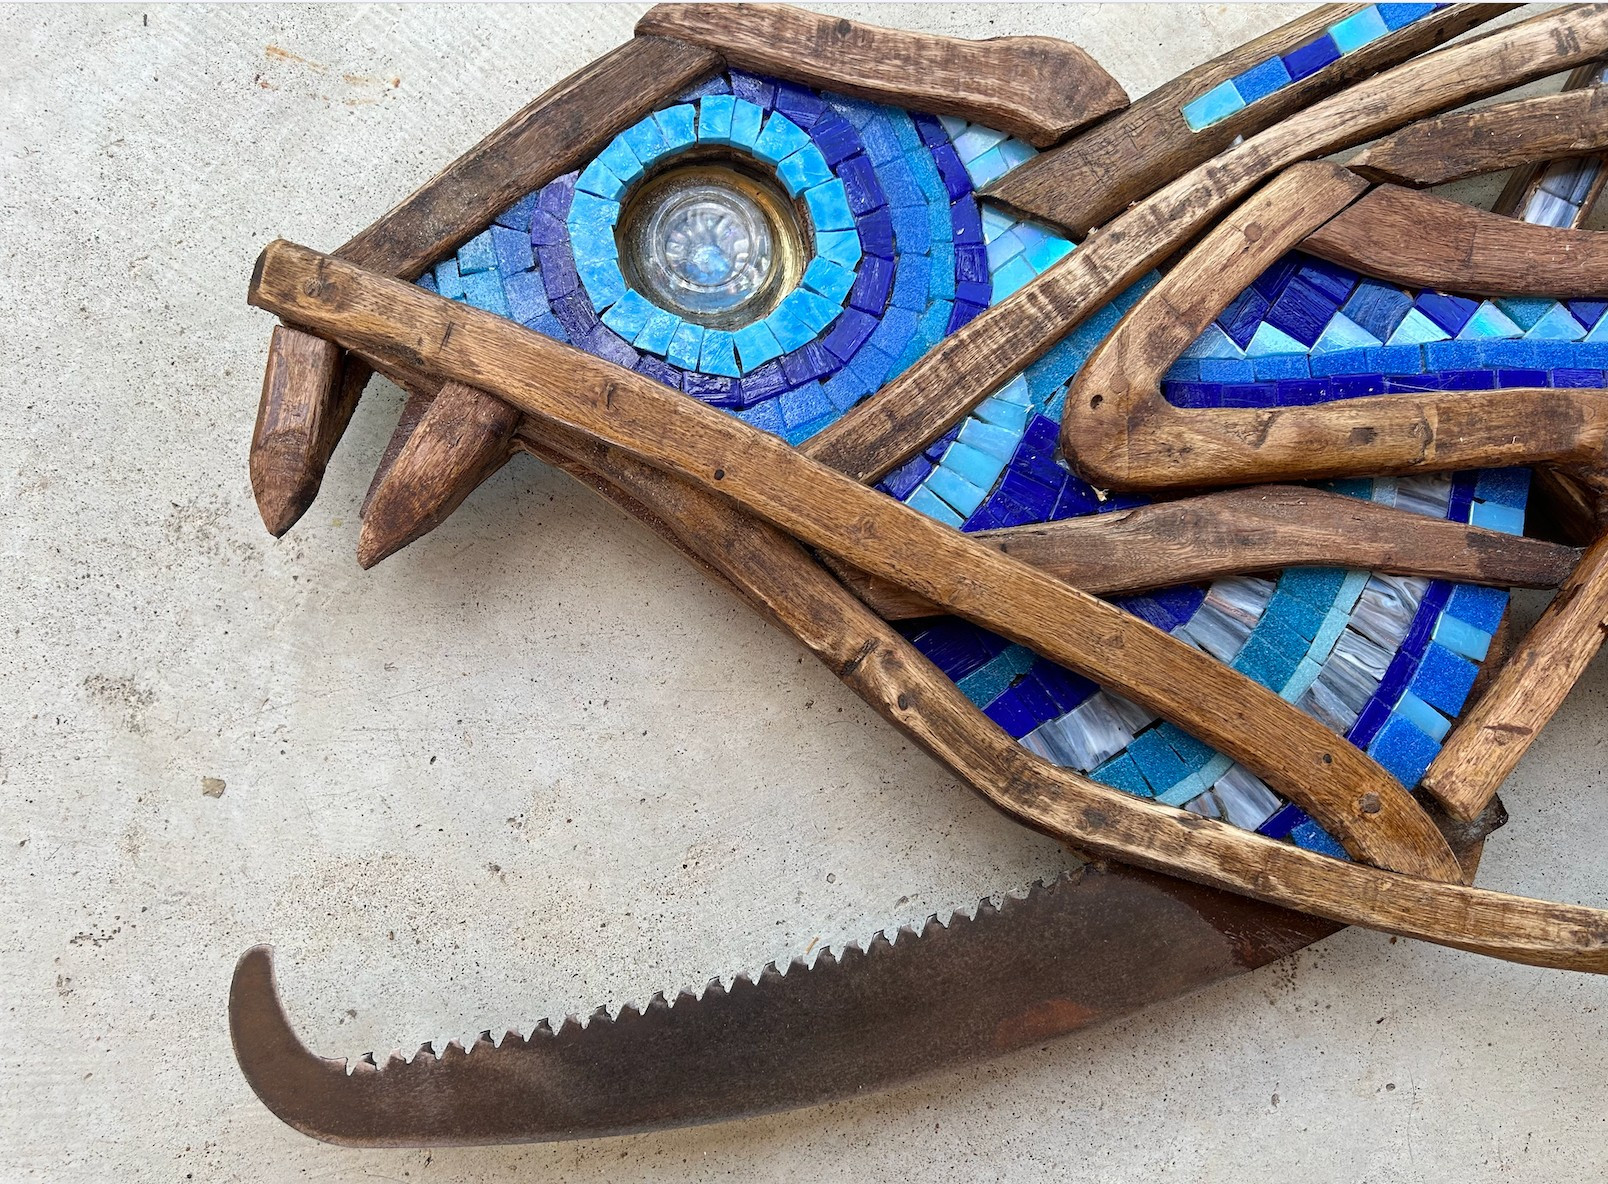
(1087,181)
(1345,790)
(1498,730)
(308,396)
(875,661)
(418,402)
(917,407)
(1422,240)
(1038,88)
(551,135)
(1468,143)
(461,439)
(1119,432)
(1239,531)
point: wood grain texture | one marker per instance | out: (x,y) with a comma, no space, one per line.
(1420,240)
(1087,181)
(1499,728)
(1523,181)
(1240,531)
(1038,88)
(418,402)
(308,396)
(460,440)
(1350,795)
(881,666)
(1118,431)
(551,135)
(914,409)
(1469,143)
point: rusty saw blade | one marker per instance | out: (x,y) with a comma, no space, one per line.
(1095,944)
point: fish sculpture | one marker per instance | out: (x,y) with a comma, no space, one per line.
(1162,479)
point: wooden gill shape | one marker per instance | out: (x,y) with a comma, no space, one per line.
(912,410)
(1097,174)
(1470,143)
(773,572)
(309,392)
(1349,794)
(1240,531)
(1119,431)
(1038,88)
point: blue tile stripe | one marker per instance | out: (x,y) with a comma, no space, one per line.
(1274,74)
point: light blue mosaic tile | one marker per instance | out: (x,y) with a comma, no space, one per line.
(660,330)
(629,314)
(928,504)
(829,206)
(840,246)
(678,126)
(714,118)
(1462,638)
(780,139)
(1358,29)
(756,345)
(828,279)
(478,254)
(746,121)
(982,469)
(1218,103)
(1422,716)
(803,170)
(719,354)
(685,346)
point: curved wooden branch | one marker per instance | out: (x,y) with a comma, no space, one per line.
(916,408)
(1119,431)
(1093,177)
(1344,789)
(1039,88)
(1420,240)
(1499,729)
(1238,531)
(1469,143)
(876,662)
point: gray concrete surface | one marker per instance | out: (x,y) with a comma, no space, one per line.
(536,763)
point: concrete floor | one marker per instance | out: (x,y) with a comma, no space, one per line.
(535,763)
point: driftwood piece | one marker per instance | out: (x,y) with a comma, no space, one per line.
(1525,179)
(1349,794)
(1498,730)
(1469,143)
(418,402)
(1038,88)
(459,441)
(1087,181)
(1239,531)
(1119,431)
(877,663)
(1420,240)
(911,411)
(308,396)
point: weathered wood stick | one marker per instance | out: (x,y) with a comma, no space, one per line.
(1420,240)
(1469,143)
(877,663)
(462,438)
(1349,794)
(1100,172)
(298,428)
(1498,730)
(1120,432)
(1239,531)
(418,402)
(308,397)
(914,409)
(1525,179)
(1038,88)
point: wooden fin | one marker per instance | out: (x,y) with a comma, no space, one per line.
(461,440)
(308,396)
(1118,430)
(1503,722)
(1239,531)
(1093,177)
(880,665)
(1469,143)
(1344,789)
(1038,88)
(914,409)
(552,134)
(1421,240)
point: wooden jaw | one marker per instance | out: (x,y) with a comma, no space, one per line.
(1038,88)
(914,409)
(1097,174)
(1119,431)
(1344,789)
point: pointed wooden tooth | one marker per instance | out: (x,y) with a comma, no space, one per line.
(460,441)
(308,395)
(413,410)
